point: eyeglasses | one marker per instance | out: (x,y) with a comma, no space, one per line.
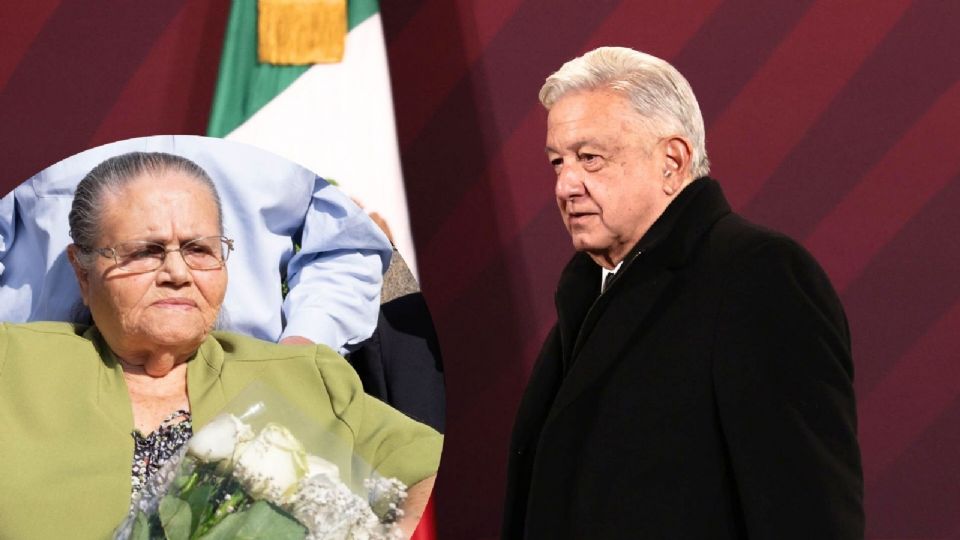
(207,253)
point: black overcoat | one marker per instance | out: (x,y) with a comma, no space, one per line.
(707,394)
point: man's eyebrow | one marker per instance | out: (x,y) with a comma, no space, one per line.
(577,145)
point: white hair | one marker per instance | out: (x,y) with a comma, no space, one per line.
(657,91)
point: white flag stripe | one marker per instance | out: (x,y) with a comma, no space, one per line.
(337,120)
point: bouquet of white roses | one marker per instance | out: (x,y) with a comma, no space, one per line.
(247,475)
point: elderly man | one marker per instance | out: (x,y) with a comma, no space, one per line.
(698,382)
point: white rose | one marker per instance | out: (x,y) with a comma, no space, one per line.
(218,439)
(270,466)
(318,465)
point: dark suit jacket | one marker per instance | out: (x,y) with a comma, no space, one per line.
(400,363)
(707,394)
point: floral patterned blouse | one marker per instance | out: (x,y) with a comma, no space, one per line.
(152,451)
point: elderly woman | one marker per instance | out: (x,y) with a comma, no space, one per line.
(88,413)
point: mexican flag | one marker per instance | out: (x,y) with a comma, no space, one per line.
(335,119)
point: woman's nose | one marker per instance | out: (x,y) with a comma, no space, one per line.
(174,268)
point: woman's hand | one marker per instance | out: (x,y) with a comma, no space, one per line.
(417,497)
(295,340)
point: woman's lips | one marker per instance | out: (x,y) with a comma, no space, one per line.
(176,303)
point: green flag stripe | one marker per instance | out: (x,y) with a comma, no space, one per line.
(245,85)
(359,11)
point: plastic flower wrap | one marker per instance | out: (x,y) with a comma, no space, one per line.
(261,469)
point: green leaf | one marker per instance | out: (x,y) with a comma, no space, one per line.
(199,499)
(236,502)
(227,528)
(175,518)
(260,521)
(141,528)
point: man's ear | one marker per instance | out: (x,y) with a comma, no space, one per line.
(73,255)
(677,153)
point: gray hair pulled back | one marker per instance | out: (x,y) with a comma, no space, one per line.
(115,173)
(656,90)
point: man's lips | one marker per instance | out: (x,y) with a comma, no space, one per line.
(577,217)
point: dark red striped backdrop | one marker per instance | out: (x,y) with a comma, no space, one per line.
(835,122)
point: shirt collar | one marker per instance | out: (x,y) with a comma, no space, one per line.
(604,272)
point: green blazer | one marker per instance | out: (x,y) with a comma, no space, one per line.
(66,420)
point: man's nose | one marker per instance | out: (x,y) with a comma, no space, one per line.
(569,181)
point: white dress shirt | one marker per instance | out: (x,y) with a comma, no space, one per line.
(605,272)
(269,203)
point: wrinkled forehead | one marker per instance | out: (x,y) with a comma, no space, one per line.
(582,117)
(154,200)
(601,104)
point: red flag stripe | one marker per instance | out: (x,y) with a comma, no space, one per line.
(427,528)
